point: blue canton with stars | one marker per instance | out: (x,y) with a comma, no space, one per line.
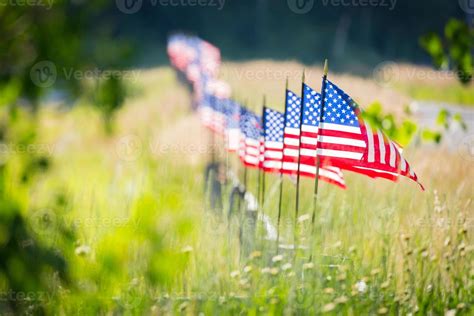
(311,107)
(250,124)
(232,114)
(274,122)
(339,107)
(293,110)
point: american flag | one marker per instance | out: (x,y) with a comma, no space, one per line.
(181,51)
(213,104)
(383,158)
(232,130)
(309,139)
(273,122)
(250,131)
(341,140)
(291,136)
(346,141)
(210,58)
(291,147)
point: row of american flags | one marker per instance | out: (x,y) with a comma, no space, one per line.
(319,133)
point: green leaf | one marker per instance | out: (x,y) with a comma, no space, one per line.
(442,118)
(431,136)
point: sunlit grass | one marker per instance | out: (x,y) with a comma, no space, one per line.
(128,215)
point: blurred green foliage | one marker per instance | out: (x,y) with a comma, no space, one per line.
(454,50)
(50,51)
(405,132)
(108,97)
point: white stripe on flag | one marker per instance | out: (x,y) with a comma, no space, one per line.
(307,152)
(290,166)
(309,128)
(340,154)
(370,140)
(253,151)
(252,142)
(292,141)
(273,154)
(404,164)
(292,131)
(377,170)
(272,164)
(381,147)
(309,140)
(273,145)
(392,154)
(252,160)
(341,141)
(341,128)
(291,152)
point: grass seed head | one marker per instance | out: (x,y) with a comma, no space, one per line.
(274,271)
(341,300)
(265,270)
(328,290)
(328,307)
(308,266)
(286,266)
(255,254)
(382,311)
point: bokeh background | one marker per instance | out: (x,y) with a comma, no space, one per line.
(102,160)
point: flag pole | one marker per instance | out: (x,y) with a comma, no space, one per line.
(261,172)
(297,205)
(280,198)
(213,138)
(318,161)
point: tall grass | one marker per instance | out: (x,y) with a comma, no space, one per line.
(128,215)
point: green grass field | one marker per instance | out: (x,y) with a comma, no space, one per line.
(127,213)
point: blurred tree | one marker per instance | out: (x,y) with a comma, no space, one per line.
(50,48)
(454,50)
(109,96)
